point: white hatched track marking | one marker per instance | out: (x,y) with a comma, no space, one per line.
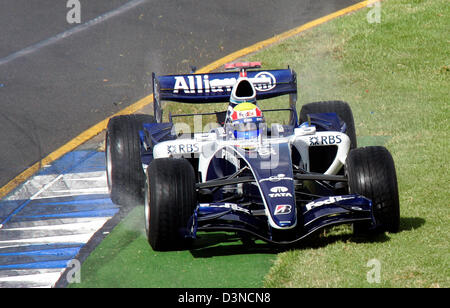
(48,219)
(88,226)
(73,238)
(31,278)
(102,190)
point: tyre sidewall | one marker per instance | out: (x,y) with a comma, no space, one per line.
(371,173)
(170,202)
(125,175)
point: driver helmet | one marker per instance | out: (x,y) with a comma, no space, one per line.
(246,120)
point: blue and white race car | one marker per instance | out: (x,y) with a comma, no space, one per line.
(279,183)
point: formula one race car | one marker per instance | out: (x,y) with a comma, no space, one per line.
(279,183)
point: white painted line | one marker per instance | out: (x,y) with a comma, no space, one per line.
(81,227)
(77,192)
(40,191)
(52,222)
(74,238)
(96,178)
(32,278)
(49,41)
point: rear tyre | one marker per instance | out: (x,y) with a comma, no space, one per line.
(371,173)
(342,109)
(125,174)
(170,201)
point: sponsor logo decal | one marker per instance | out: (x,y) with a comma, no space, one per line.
(282,209)
(324,140)
(183,148)
(329,200)
(279,191)
(263,81)
(231,206)
(267,86)
(276,178)
(244,114)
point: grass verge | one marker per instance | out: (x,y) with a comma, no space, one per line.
(395,75)
(217,260)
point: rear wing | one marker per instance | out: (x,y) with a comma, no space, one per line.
(216,87)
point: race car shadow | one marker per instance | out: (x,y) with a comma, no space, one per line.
(411,223)
(209,245)
(322,239)
(221,243)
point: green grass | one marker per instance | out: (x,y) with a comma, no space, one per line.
(395,75)
(217,260)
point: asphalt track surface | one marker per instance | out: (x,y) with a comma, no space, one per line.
(58,79)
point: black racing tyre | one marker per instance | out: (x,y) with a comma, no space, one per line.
(342,109)
(371,173)
(125,175)
(170,200)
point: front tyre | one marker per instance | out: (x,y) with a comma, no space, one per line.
(371,173)
(170,200)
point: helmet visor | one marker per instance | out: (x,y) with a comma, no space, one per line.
(249,130)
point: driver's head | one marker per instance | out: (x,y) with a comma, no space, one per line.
(246,120)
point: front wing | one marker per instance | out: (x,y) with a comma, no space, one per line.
(321,213)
